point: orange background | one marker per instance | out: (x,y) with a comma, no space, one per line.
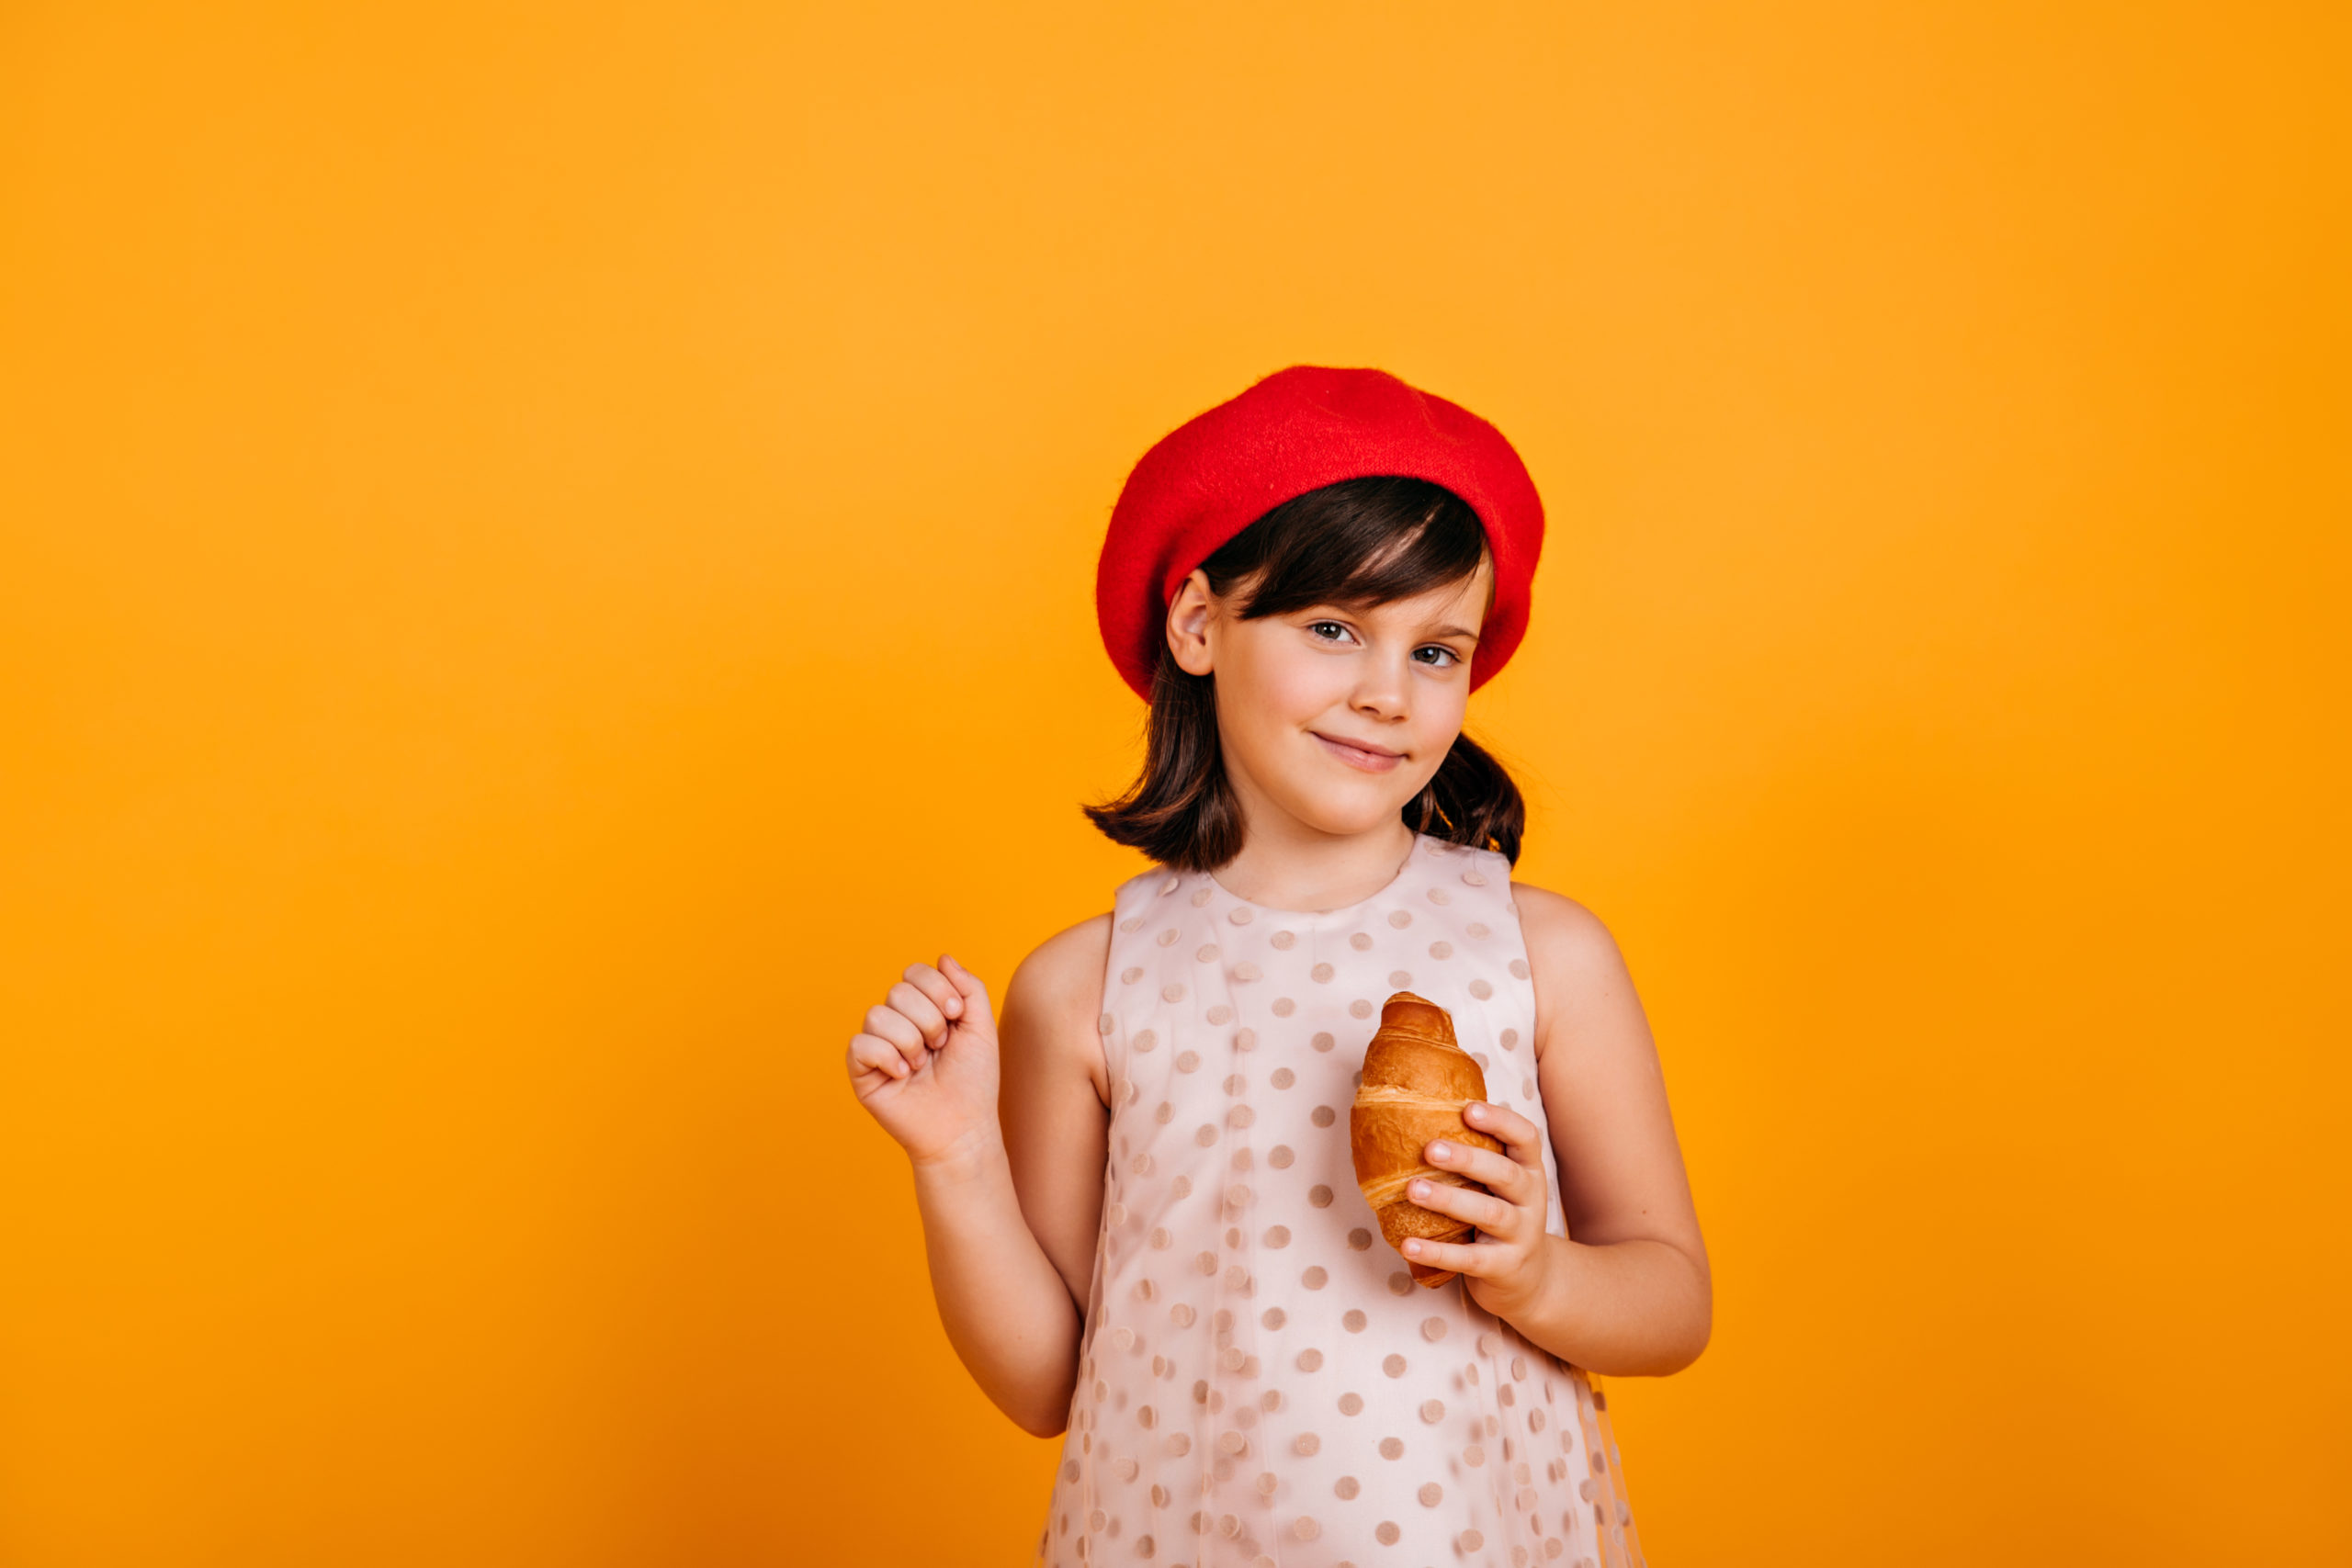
(548,552)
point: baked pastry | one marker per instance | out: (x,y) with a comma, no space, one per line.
(1415,1081)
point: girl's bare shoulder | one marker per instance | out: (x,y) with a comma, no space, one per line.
(1055,994)
(1579,976)
(1558,930)
(1069,960)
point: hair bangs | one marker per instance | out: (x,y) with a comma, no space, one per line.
(1368,541)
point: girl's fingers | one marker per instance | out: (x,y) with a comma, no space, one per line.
(1508,1180)
(920,1011)
(1484,1210)
(1517,1135)
(1461,1256)
(871,1054)
(899,1032)
(938,987)
(975,996)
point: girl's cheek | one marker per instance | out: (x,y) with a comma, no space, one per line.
(1291,689)
(1444,719)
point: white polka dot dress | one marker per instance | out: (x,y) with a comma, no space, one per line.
(1260,1382)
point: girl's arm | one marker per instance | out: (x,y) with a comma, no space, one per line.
(1628,1291)
(1007,1132)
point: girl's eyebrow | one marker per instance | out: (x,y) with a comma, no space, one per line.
(1456,631)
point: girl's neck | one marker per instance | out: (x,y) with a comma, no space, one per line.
(1289,866)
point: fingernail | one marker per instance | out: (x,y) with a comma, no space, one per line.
(1478,1111)
(1419,1190)
(1440,1150)
(955,1007)
(1412,1249)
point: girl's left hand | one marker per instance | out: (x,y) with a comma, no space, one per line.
(1505,1270)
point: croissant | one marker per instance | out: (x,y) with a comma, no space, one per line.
(1415,1081)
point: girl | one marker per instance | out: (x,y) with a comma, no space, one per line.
(1137,1197)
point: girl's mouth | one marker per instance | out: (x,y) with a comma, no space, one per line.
(1368,759)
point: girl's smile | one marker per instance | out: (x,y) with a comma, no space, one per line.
(1359,753)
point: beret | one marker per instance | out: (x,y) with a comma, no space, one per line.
(1299,430)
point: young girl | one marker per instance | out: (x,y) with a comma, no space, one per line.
(1138,1195)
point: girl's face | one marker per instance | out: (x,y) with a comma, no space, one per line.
(1333,717)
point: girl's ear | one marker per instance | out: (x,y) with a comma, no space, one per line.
(1188,625)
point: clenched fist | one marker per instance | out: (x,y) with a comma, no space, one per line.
(925,1064)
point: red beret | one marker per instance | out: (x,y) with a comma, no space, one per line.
(1299,430)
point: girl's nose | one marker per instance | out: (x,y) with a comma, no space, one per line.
(1380,691)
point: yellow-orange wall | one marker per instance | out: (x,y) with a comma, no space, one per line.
(545,551)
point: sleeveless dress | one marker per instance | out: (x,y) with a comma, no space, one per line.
(1261,1383)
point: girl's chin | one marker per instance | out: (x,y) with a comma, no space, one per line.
(1349,818)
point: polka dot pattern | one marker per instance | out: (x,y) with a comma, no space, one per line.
(1259,1372)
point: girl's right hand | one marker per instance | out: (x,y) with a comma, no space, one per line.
(925,1064)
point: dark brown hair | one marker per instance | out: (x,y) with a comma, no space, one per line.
(1359,542)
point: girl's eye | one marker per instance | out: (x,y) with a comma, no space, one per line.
(1436,655)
